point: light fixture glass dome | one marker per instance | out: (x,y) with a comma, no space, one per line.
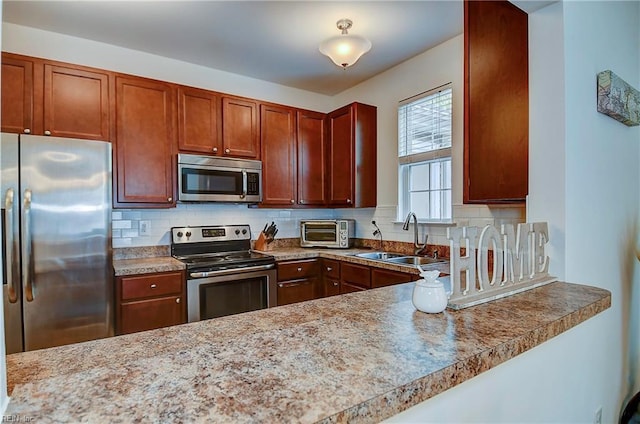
(345,49)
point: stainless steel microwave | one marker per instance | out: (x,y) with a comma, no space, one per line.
(213,179)
(333,233)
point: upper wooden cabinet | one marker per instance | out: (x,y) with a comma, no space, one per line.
(145,134)
(17,94)
(76,103)
(240,135)
(496,102)
(278,144)
(199,129)
(312,158)
(294,155)
(49,98)
(352,132)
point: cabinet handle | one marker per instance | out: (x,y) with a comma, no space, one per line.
(215,150)
(293,201)
(227,151)
(153,286)
(27,131)
(335,283)
(169,199)
(280,285)
(329,269)
(302,202)
(177,300)
(348,200)
(299,269)
(47,132)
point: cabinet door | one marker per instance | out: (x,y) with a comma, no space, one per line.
(349,288)
(76,103)
(385,277)
(240,136)
(296,291)
(199,129)
(17,95)
(312,158)
(278,144)
(331,287)
(145,136)
(341,154)
(358,275)
(496,102)
(150,314)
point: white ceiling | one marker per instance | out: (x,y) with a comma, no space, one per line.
(275,41)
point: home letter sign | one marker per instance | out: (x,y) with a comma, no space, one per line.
(496,263)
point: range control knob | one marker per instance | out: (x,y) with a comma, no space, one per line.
(188,234)
(179,234)
(237,232)
(244,231)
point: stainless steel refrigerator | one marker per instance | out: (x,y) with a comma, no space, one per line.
(56,241)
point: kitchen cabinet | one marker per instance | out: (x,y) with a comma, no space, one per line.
(43,97)
(297,281)
(278,145)
(352,140)
(240,134)
(149,301)
(384,277)
(496,102)
(311,158)
(294,156)
(330,277)
(199,121)
(145,139)
(17,94)
(354,275)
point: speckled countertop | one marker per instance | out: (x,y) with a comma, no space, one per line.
(359,357)
(127,265)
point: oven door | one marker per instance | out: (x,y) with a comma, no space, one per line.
(319,234)
(220,293)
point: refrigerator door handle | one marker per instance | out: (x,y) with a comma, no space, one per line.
(9,245)
(27,259)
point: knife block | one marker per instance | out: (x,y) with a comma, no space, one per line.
(261,243)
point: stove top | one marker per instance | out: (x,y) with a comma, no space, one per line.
(213,248)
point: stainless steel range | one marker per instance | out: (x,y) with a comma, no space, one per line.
(224,276)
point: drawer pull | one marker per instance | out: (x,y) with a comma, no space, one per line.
(177,300)
(335,283)
(329,269)
(153,286)
(280,285)
(299,269)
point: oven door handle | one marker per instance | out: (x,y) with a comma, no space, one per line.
(230,271)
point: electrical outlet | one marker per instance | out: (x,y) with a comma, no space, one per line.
(597,418)
(144,228)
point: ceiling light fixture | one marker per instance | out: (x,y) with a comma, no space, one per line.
(345,49)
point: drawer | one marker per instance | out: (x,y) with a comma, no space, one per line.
(298,269)
(151,314)
(296,291)
(151,285)
(331,269)
(385,277)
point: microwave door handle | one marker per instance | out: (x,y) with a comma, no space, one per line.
(244,184)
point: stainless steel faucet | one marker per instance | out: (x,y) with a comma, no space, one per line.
(418,247)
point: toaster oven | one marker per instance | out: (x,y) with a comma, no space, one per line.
(331,233)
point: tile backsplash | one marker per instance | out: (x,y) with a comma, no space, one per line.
(150,227)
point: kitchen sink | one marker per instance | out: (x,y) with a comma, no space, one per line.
(379,256)
(415,260)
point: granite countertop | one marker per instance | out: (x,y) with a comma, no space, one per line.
(358,357)
(146,265)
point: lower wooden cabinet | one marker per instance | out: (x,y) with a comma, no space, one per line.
(384,277)
(297,291)
(149,301)
(355,275)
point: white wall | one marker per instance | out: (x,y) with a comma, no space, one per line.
(584,176)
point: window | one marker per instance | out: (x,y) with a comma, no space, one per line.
(424,153)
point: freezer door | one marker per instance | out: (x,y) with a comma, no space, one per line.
(10,198)
(66,240)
